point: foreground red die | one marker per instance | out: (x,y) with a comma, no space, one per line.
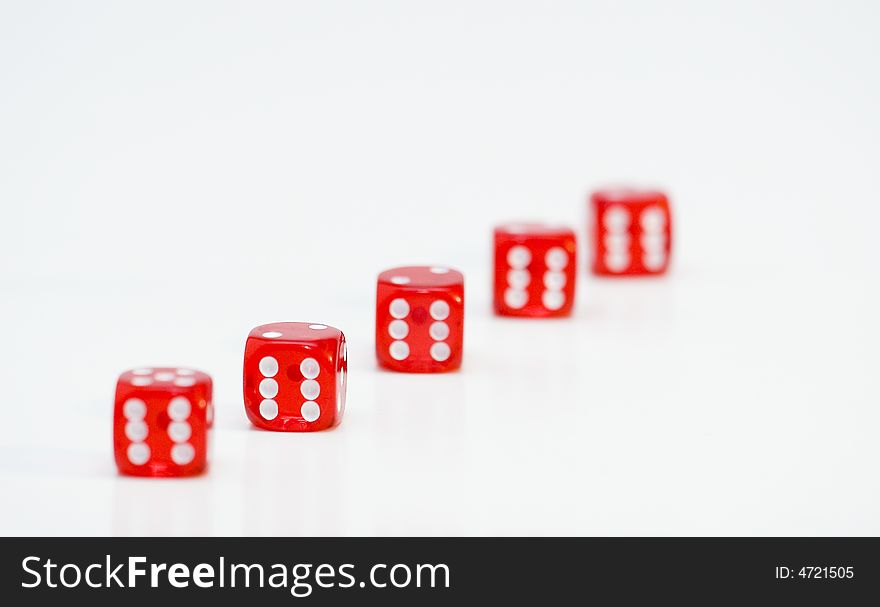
(420,319)
(632,232)
(161,420)
(295,376)
(535,270)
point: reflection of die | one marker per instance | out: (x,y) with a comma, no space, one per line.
(295,376)
(161,420)
(420,319)
(632,232)
(535,270)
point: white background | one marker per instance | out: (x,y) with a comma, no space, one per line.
(175,173)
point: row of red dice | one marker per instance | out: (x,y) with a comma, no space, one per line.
(295,374)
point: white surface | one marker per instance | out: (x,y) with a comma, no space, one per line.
(174,174)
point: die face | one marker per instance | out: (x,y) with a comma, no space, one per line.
(295,377)
(161,421)
(420,319)
(535,270)
(632,232)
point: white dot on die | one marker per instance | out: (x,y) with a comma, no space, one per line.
(400,280)
(439,270)
(179,408)
(183,454)
(555,281)
(268,388)
(310,368)
(165,376)
(271,334)
(142,372)
(136,430)
(310,389)
(268,366)
(310,411)
(398,329)
(617,261)
(519,279)
(439,310)
(440,351)
(317,327)
(653,241)
(439,331)
(515,298)
(553,300)
(519,257)
(141,381)
(616,219)
(138,453)
(399,308)
(185,382)
(269,409)
(556,259)
(399,350)
(652,219)
(616,241)
(185,372)
(134,408)
(179,432)
(654,260)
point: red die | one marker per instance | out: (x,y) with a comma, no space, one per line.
(535,270)
(420,319)
(632,232)
(295,376)
(161,420)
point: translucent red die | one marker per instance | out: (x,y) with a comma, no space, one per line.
(420,319)
(632,232)
(535,270)
(161,419)
(295,376)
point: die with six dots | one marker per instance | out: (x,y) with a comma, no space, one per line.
(161,421)
(420,319)
(535,270)
(295,376)
(632,232)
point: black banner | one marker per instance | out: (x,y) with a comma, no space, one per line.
(438,571)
